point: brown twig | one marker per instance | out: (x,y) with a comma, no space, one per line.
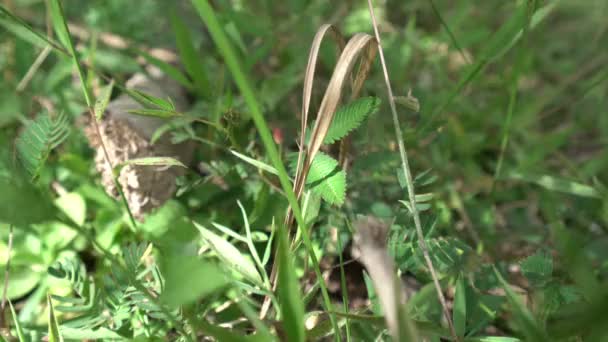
(408,176)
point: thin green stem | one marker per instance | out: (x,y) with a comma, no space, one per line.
(89,100)
(207,14)
(449,31)
(409,179)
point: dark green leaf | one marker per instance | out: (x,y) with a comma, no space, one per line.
(349,117)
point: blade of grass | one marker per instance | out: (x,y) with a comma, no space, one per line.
(344,289)
(62,30)
(208,16)
(54,335)
(18,328)
(408,176)
(449,31)
(22,30)
(512,97)
(190,57)
(292,308)
(528,325)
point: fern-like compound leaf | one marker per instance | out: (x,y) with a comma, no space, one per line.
(38,138)
(350,117)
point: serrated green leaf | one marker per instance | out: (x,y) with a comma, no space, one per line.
(327,179)
(102,101)
(538,268)
(349,117)
(230,255)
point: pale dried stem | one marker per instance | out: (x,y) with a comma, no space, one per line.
(409,179)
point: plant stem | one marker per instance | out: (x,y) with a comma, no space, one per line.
(7,269)
(408,176)
(207,14)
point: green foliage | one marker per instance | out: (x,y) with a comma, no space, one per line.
(327,179)
(292,309)
(38,138)
(113,301)
(538,268)
(515,165)
(349,117)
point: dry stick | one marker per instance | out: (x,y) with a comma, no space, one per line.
(33,68)
(6,274)
(408,177)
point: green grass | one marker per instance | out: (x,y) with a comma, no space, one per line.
(507,155)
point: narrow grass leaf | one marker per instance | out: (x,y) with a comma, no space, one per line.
(350,116)
(528,325)
(61,28)
(230,255)
(250,245)
(292,308)
(152,161)
(258,164)
(167,69)
(189,56)
(22,30)
(460,307)
(157,113)
(18,328)
(54,335)
(555,184)
(150,101)
(102,101)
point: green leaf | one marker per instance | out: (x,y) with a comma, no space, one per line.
(258,164)
(61,27)
(158,113)
(230,255)
(18,193)
(189,56)
(74,206)
(538,268)
(349,117)
(38,138)
(327,179)
(167,69)
(290,297)
(151,161)
(18,328)
(187,278)
(102,101)
(523,316)
(54,335)
(150,101)
(555,184)
(460,307)
(22,30)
